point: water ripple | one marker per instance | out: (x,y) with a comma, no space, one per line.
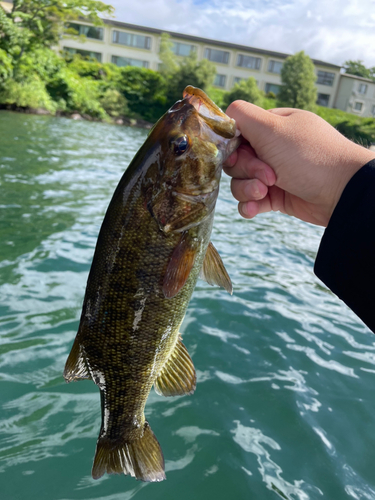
(284,402)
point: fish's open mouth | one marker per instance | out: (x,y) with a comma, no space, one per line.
(217,120)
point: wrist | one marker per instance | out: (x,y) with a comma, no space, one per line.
(349,159)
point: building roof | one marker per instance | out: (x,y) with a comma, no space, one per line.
(356,77)
(210,41)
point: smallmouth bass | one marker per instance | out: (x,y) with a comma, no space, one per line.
(153,244)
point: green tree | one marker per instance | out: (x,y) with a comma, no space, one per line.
(179,72)
(169,64)
(144,90)
(42,21)
(357,68)
(190,71)
(245,90)
(298,79)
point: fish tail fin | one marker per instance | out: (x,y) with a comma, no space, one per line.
(141,458)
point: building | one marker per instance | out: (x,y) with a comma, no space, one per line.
(129,44)
(356,95)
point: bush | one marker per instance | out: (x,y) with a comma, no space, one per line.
(218,96)
(361,131)
(245,90)
(190,71)
(86,67)
(144,91)
(43,62)
(6,66)
(73,93)
(114,103)
(30,93)
(268,103)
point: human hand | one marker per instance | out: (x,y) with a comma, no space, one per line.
(294,162)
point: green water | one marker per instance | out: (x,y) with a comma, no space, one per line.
(284,406)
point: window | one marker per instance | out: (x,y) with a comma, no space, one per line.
(272,87)
(139,41)
(275,66)
(127,61)
(373,110)
(249,62)
(89,31)
(362,88)
(182,49)
(218,56)
(358,106)
(323,99)
(84,53)
(220,80)
(325,78)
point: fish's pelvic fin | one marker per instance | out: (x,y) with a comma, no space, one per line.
(75,366)
(178,375)
(141,458)
(179,267)
(213,270)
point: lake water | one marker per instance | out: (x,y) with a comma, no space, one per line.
(285,400)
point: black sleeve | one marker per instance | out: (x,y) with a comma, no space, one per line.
(346,256)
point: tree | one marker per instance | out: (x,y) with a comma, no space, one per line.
(180,72)
(169,64)
(144,90)
(357,68)
(42,21)
(246,90)
(298,79)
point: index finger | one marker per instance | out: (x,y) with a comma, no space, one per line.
(249,166)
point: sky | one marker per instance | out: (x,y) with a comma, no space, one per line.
(330,30)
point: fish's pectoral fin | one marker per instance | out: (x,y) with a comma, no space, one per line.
(179,266)
(178,375)
(213,270)
(75,366)
(141,458)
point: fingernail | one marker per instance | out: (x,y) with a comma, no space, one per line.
(252,191)
(242,209)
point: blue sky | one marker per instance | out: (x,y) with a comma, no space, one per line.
(330,30)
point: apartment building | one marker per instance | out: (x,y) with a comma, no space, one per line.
(356,95)
(129,44)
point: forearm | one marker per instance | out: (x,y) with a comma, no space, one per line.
(346,257)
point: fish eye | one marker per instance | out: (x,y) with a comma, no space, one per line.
(180,145)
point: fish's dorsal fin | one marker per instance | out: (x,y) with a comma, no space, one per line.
(178,375)
(179,266)
(213,270)
(75,366)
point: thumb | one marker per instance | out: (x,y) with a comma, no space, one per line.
(251,120)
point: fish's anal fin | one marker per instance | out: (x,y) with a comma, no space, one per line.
(213,270)
(179,266)
(141,458)
(178,375)
(75,366)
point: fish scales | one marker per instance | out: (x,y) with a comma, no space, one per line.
(153,245)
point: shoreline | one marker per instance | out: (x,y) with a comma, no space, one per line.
(121,120)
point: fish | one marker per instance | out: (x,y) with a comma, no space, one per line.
(153,245)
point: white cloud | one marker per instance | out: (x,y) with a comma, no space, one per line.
(332,31)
